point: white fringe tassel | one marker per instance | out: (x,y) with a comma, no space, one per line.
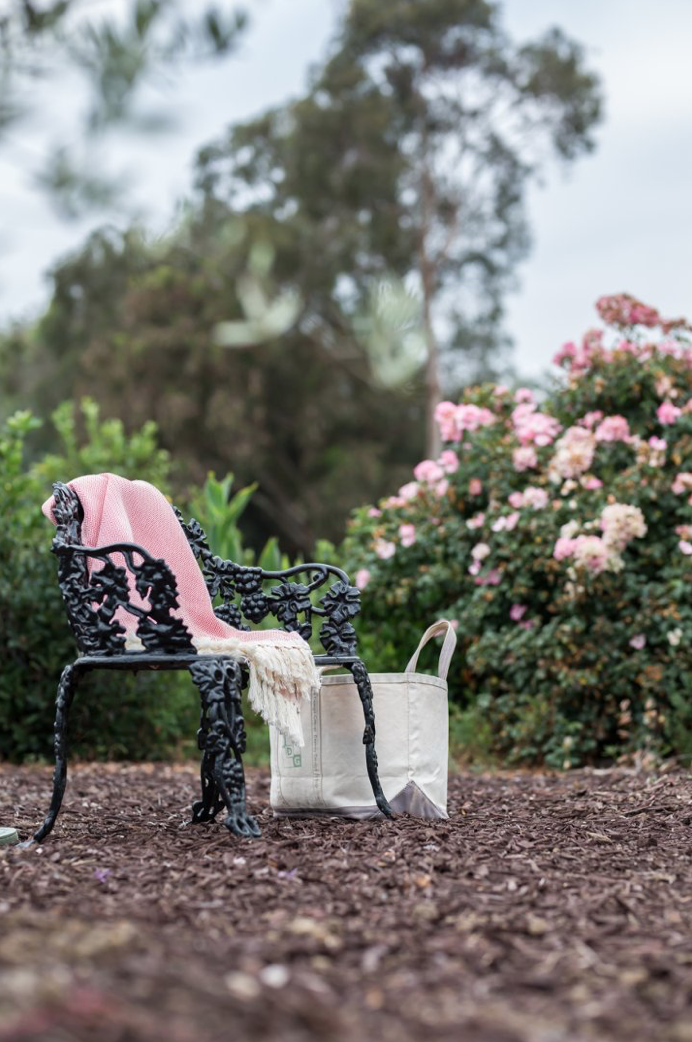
(280,676)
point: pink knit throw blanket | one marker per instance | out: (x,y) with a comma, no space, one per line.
(282,669)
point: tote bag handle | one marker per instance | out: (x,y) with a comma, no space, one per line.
(450,643)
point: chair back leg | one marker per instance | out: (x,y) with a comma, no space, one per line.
(362,680)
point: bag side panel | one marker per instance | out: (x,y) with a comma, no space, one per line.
(429,738)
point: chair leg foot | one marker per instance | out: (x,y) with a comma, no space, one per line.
(209,806)
(66,690)
(362,679)
(222,736)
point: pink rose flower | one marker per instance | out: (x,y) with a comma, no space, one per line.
(480,551)
(407,535)
(475,487)
(685,547)
(567,350)
(449,461)
(493,578)
(374,512)
(429,471)
(638,641)
(445,414)
(363,577)
(409,491)
(535,497)
(506,523)
(658,444)
(477,521)
(384,549)
(470,417)
(516,499)
(667,412)
(517,611)
(590,419)
(524,458)
(442,487)
(523,394)
(682,483)
(591,483)
(592,553)
(621,309)
(564,548)
(613,428)
(534,427)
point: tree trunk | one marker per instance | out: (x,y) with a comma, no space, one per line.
(427,274)
(433,442)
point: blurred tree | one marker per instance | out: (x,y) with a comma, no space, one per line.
(410,154)
(130,324)
(109,59)
(335,244)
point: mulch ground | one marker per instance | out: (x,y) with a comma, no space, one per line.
(547,909)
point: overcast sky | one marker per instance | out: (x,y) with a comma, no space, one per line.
(618,220)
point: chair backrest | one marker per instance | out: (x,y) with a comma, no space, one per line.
(116,593)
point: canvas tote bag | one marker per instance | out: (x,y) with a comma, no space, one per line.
(328,775)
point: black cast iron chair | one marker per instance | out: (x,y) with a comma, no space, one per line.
(93,597)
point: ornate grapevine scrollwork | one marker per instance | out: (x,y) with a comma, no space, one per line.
(340,604)
(95,630)
(288,601)
(238,587)
(195,535)
(93,596)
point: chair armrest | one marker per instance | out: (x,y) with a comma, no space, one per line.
(339,604)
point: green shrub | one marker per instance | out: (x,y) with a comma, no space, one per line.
(218,510)
(113,715)
(559,536)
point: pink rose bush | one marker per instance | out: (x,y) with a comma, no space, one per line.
(557,529)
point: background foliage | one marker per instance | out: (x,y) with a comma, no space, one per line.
(337,246)
(559,537)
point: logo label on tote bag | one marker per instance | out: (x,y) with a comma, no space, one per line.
(291,755)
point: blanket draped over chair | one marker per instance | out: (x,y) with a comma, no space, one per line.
(281,665)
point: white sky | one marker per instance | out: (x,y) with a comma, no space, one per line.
(619,220)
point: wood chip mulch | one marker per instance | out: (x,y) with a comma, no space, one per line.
(547,909)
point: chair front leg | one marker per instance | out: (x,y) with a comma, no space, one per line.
(66,689)
(362,679)
(223,734)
